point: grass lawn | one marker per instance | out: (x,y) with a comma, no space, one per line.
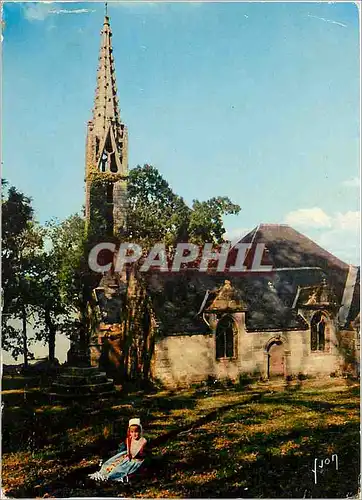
(260,441)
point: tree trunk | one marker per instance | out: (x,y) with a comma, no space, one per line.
(25,338)
(52,344)
(84,333)
(51,336)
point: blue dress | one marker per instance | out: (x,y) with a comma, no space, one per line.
(118,467)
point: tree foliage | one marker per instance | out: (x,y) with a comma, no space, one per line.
(43,276)
(22,242)
(71,279)
(156,213)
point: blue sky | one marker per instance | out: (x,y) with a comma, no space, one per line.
(255,101)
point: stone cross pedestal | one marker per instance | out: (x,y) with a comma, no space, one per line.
(76,382)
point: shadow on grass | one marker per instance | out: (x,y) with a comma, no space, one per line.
(288,476)
(103,447)
(251,466)
(35,424)
(268,472)
(45,431)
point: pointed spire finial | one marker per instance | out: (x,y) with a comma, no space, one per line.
(106,102)
(106,9)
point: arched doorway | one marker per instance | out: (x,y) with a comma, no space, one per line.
(276,359)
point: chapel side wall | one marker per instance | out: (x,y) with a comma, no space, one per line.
(186,359)
(350,351)
(298,355)
(183,359)
(323,363)
(255,356)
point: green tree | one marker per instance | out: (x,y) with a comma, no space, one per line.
(205,223)
(51,310)
(22,242)
(156,213)
(72,280)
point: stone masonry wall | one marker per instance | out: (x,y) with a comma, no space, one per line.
(185,359)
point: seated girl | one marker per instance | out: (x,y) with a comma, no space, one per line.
(128,460)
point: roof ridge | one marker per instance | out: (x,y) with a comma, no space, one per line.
(302,244)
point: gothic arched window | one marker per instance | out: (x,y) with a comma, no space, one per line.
(226,338)
(103,162)
(318,332)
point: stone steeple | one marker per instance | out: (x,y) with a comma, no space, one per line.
(106,148)
(106,102)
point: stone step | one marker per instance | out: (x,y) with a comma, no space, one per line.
(80,370)
(67,379)
(80,389)
(100,395)
(75,382)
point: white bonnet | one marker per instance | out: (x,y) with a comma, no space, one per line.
(135,421)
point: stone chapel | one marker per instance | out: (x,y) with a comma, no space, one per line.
(303,318)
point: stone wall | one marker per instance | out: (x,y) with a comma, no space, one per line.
(349,341)
(119,205)
(185,359)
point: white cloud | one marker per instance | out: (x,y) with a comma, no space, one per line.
(338,233)
(328,21)
(71,11)
(39,11)
(308,217)
(350,221)
(354,182)
(316,218)
(343,243)
(36,11)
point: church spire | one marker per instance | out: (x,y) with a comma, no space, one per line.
(106,103)
(106,169)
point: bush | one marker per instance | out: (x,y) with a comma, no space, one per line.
(244,379)
(212,381)
(227,382)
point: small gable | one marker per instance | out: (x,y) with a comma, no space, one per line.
(316,297)
(226,298)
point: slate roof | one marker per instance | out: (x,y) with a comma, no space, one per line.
(356,304)
(297,262)
(289,249)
